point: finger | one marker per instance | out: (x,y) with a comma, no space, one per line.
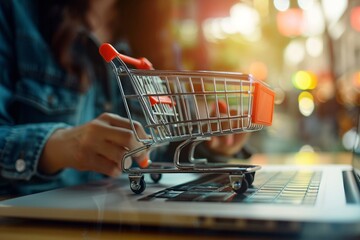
(116,154)
(103,165)
(122,127)
(110,151)
(120,131)
(121,137)
(117,121)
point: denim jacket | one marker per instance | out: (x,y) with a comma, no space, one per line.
(37,97)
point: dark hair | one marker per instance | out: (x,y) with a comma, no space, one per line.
(71,21)
(132,20)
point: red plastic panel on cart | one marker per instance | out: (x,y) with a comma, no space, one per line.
(263,105)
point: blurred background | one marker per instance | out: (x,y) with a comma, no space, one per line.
(308,51)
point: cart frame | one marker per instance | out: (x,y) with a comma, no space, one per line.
(190,107)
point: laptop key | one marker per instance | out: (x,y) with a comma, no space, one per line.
(188,196)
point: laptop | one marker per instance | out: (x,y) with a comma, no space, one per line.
(283,199)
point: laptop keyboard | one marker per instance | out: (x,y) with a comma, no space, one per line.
(288,187)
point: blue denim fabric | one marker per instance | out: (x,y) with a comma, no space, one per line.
(36,98)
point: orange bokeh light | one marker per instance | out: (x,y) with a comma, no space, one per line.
(259,70)
(356,80)
(355,18)
(290,22)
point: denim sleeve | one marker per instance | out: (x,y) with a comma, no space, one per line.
(21,147)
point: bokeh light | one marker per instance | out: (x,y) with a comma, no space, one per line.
(314,46)
(188,32)
(282,5)
(306,104)
(325,92)
(305,94)
(304,80)
(294,53)
(227,25)
(348,89)
(332,11)
(356,80)
(279,95)
(307,148)
(290,23)
(305,156)
(259,70)
(349,139)
(306,4)
(215,29)
(212,30)
(244,18)
(313,21)
(355,18)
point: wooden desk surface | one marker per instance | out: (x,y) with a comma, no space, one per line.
(30,229)
(17,229)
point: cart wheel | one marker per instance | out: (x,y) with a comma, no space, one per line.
(250,178)
(155,177)
(240,187)
(138,186)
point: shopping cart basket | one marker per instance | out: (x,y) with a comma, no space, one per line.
(189,107)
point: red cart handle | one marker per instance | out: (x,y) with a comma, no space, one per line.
(108,52)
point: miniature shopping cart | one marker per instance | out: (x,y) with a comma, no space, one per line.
(189,107)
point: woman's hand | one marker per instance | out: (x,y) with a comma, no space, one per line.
(98,145)
(227,145)
(230,144)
